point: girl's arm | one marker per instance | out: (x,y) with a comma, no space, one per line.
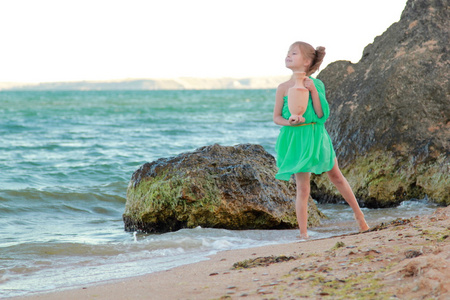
(309,84)
(279,101)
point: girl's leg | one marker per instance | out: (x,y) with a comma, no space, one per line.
(344,188)
(301,205)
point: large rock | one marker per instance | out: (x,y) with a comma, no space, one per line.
(214,186)
(390,120)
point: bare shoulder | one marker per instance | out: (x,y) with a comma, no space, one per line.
(283,87)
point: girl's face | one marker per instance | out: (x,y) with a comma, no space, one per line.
(295,60)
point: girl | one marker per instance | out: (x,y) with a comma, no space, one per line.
(303,145)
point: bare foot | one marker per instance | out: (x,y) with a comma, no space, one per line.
(304,237)
(362,223)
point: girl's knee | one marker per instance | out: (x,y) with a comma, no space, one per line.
(303,190)
(336,177)
(303,183)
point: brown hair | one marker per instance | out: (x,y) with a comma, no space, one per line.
(315,55)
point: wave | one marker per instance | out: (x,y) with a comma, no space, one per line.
(41,266)
(103,200)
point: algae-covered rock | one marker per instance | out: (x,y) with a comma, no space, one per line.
(214,186)
(390,121)
(380,179)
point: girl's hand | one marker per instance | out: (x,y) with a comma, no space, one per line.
(295,120)
(309,84)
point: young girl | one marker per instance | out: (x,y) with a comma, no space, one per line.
(303,145)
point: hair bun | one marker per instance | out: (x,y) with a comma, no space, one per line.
(320,50)
(318,59)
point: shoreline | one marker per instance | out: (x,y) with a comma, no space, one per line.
(366,265)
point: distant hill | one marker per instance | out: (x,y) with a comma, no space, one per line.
(183,83)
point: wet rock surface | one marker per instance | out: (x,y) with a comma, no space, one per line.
(390,120)
(214,186)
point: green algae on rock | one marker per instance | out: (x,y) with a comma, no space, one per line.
(214,186)
(384,179)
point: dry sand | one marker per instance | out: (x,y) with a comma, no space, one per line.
(404,259)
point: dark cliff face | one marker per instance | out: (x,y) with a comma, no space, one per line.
(396,100)
(397,97)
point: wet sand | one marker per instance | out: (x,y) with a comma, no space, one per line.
(404,259)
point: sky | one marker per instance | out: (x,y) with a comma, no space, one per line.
(72,40)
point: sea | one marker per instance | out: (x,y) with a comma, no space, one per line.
(66,158)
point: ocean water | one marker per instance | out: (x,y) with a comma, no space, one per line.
(65,162)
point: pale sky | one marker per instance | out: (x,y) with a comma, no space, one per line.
(71,40)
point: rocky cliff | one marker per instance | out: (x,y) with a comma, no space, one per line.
(214,186)
(390,120)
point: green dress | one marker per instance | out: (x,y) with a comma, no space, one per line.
(306,148)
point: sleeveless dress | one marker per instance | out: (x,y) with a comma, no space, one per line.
(306,148)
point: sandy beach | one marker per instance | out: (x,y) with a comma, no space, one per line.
(403,259)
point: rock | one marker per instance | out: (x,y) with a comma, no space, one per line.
(390,120)
(214,186)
